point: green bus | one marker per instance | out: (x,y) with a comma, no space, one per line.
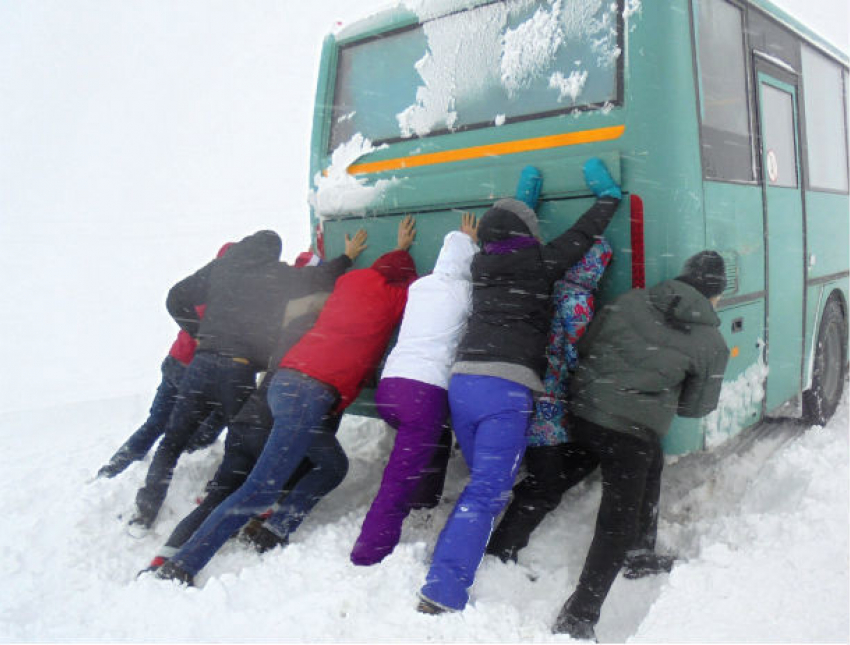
(724,120)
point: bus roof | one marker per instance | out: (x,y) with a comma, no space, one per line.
(400,16)
(800,29)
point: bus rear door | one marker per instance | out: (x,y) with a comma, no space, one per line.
(784,234)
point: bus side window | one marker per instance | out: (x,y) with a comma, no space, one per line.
(826,135)
(726,144)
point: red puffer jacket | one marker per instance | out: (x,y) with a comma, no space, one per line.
(345,346)
(184,347)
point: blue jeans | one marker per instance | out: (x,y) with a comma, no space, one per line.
(211,382)
(301,407)
(330,466)
(490,416)
(138,444)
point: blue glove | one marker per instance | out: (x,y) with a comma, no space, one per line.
(599,180)
(528,188)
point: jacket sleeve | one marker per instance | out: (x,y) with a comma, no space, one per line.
(584,343)
(321,278)
(186,295)
(701,392)
(569,247)
(335,268)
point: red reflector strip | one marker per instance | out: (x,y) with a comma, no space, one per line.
(638,251)
(320,241)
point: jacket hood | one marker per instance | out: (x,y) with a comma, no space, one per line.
(258,248)
(455,257)
(508,218)
(588,271)
(682,305)
(397,267)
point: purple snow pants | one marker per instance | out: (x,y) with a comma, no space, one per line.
(418,412)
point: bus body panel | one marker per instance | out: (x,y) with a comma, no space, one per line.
(827,259)
(657,158)
(659,116)
(735,223)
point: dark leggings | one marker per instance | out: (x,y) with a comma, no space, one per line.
(551,471)
(628,512)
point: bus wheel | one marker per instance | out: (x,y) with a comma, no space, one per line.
(830,367)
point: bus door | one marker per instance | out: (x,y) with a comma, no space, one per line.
(784,237)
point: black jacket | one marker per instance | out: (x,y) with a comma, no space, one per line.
(512,293)
(246,293)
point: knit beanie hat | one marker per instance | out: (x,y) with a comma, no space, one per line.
(307,259)
(508,218)
(705,272)
(397,267)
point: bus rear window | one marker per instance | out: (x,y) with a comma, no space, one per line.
(497,63)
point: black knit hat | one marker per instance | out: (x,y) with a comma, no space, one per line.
(705,272)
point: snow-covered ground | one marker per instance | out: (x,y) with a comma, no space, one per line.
(135,138)
(763,533)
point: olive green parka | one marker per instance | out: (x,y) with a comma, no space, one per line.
(647,356)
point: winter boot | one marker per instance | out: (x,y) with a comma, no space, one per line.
(153,567)
(261,538)
(139,526)
(505,553)
(646,563)
(577,627)
(528,188)
(599,180)
(170,571)
(428,606)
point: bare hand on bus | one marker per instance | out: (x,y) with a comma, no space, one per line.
(469,225)
(354,246)
(406,232)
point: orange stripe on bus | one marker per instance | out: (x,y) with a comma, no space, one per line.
(490,150)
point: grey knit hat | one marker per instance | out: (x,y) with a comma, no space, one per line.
(521,210)
(705,272)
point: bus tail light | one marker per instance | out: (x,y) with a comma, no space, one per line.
(638,250)
(320,241)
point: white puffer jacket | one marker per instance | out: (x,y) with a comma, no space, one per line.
(438,306)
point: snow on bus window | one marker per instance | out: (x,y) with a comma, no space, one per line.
(494,63)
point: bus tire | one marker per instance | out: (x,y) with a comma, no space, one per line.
(830,368)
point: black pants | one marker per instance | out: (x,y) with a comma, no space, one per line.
(430,490)
(628,513)
(551,471)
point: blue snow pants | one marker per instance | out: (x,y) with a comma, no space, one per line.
(301,407)
(490,416)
